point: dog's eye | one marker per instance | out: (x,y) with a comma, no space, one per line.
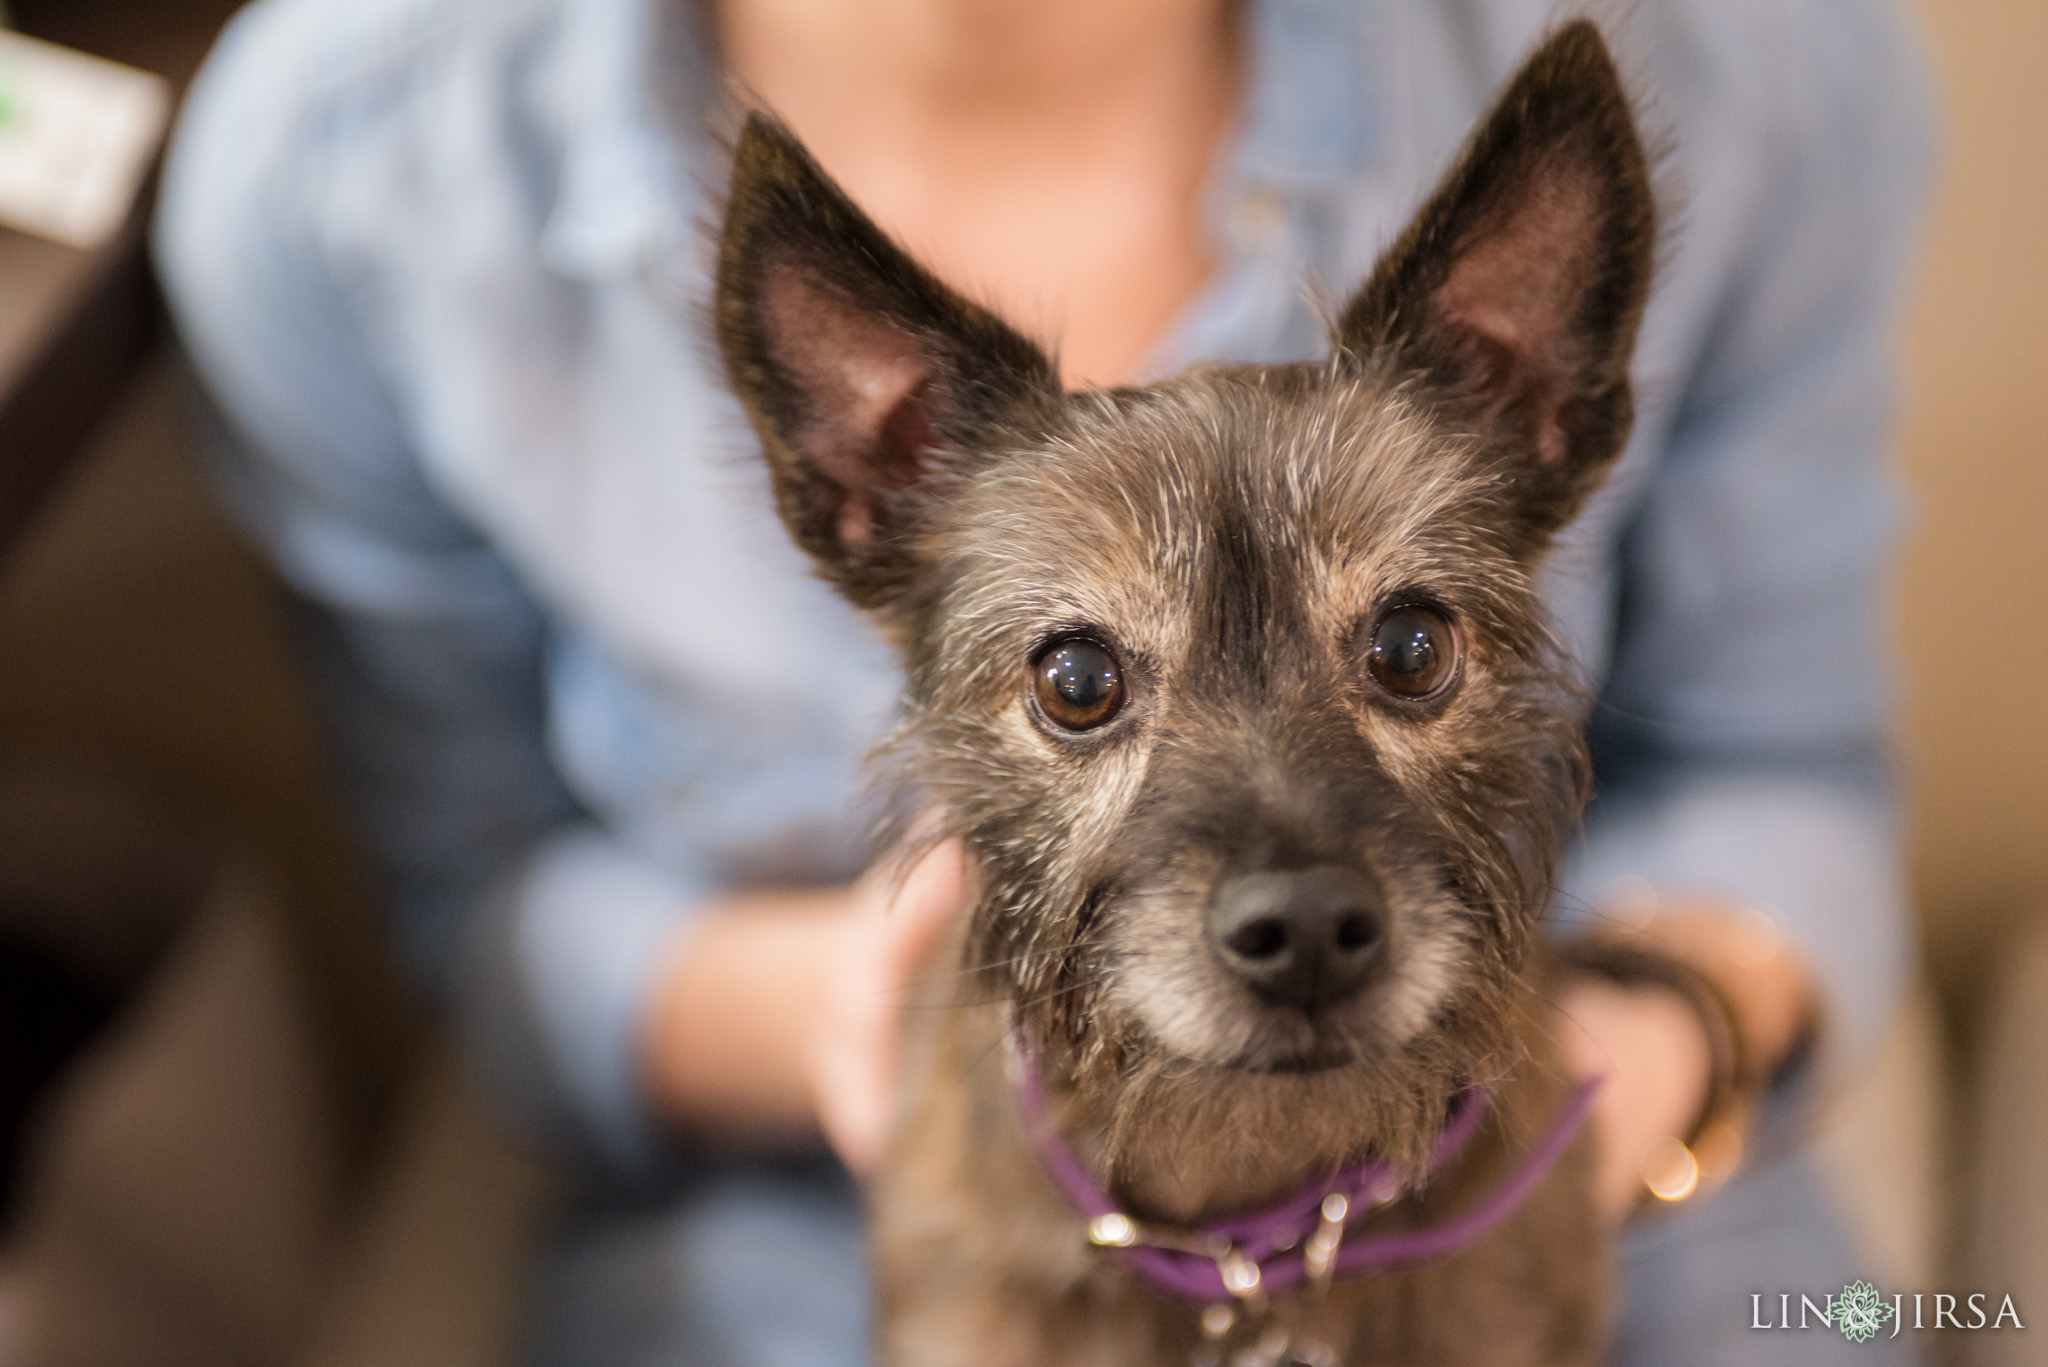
(1414,652)
(1079,684)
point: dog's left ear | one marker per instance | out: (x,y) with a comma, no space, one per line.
(1517,289)
(872,385)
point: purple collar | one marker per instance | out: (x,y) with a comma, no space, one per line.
(1304,1236)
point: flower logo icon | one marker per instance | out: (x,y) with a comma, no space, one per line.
(1860,1312)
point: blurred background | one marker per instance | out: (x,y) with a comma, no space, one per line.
(223,1137)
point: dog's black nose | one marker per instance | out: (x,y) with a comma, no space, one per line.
(1299,937)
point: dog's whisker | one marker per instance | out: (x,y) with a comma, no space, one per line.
(978,969)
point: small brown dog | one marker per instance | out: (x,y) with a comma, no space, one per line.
(1239,688)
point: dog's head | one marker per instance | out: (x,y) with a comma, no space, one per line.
(1237,684)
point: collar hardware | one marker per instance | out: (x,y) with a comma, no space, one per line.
(1306,1239)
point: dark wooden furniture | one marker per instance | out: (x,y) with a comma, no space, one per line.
(74,323)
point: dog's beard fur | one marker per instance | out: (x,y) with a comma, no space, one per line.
(1228,531)
(1231,536)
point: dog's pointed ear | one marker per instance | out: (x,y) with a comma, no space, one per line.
(1518,287)
(869,382)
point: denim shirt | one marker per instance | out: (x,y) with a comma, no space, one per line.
(443,265)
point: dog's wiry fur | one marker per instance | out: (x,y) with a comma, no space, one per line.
(1231,535)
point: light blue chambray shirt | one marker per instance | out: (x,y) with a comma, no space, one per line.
(443,265)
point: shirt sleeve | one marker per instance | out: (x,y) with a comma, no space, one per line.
(1741,738)
(535,931)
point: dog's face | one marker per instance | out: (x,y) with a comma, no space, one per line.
(1238,683)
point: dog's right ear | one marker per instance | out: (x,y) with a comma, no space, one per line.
(870,383)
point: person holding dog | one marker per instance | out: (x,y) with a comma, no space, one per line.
(440,265)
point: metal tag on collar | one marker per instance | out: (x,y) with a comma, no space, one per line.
(1114,1230)
(1321,1254)
(1118,1230)
(1242,1278)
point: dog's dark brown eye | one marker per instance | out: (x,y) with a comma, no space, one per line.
(1079,684)
(1413,653)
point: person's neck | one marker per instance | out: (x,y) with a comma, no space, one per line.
(1028,71)
(1045,155)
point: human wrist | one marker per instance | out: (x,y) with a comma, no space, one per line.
(1748,959)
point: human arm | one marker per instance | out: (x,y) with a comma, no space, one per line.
(532,928)
(1741,734)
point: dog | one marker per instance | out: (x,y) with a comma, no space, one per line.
(1239,689)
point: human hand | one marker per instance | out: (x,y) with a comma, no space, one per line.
(893,922)
(775,1013)
(1652,1052)
(1652,1047)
